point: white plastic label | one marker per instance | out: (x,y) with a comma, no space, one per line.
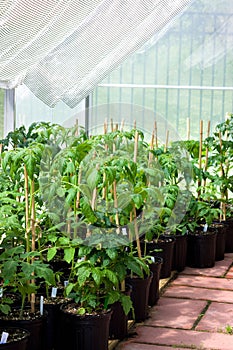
(152,259)
(1,292)
(66,283)
(41,305)
(54,292)
(205,228)
(4,337)
(124,231)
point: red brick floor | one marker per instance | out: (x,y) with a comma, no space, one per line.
(194,312)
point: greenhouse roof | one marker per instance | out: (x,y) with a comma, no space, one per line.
(61,49)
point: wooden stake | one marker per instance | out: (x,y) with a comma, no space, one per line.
(116,206)
(200,155)
(166,143)
(206,153)
(223,204)
(137,234)
(105,127)
(156,134)
(136,137)
(76,128)
(122,125)
(111,125)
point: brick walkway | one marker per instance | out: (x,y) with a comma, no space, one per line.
(194,312)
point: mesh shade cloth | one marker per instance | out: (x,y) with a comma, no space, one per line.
(61,49)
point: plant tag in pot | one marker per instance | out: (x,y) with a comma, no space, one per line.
(152,259)
(124,231)
(54,292)
(41,305)
(205,228)
(1,292)
(4,337)
(66,283)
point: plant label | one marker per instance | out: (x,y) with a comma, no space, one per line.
(41,305)
(66,283)
(4,337)
(54,292)
(124,231)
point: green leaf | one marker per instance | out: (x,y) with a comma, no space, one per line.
(112,276)
(126,303)
(96,274)
(123,200)
(83,274)
(134,266)
(47,274)
(69,254)
(92,178)
(51,253)
(5,309)
(9,269)
(86,191)
(69,288)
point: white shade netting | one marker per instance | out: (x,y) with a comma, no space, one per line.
(61,49)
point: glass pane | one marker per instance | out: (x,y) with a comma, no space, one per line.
(30,109)
(1,112)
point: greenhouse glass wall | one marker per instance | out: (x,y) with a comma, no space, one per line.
(187,74)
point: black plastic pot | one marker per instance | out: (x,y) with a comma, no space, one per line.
(35,327)
(201,249)
(88,332)
(20,344)
(118,328)
(165,249)
(140,296)
(180,252)
(220,240)
(229,236)
(155,268)
(53,324)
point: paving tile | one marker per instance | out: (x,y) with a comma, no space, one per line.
(217,317)
(139,346)
(176,313)
(183,338)
(218,270)
(199,294)
(204,282)
(230,273)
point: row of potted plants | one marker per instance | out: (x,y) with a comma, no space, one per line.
(83,216)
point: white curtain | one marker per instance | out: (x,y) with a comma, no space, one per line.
(61,49)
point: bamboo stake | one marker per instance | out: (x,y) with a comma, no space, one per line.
(111,125)
(166,143)
(27,226)
(136,137)
(33,244)
(76,128)
(122,125)
(223,204)
(156,134)
(78,193)
(134,124)
(116,206)
(137,234)
(200,155)
(105,127)
(206,153)
(188,129)
(151,148)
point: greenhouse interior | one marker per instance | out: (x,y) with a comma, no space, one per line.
(116,174)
